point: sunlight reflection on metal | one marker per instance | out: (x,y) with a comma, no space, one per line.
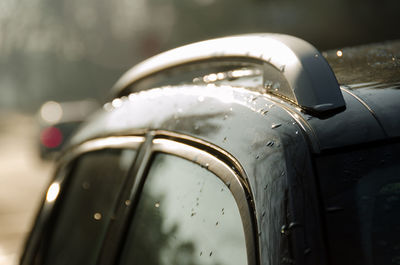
(52,192)
(51,112)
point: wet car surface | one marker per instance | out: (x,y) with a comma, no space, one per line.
(227,156)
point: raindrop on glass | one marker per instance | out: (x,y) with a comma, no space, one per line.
(157,205)
(86,185)
(211,253)
(276,125)
(97,216)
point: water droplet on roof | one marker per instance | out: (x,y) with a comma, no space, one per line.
(270,143)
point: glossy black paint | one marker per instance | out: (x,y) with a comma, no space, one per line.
(274,142)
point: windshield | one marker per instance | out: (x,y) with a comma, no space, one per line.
(361,196)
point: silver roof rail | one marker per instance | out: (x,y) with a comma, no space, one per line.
(312,83)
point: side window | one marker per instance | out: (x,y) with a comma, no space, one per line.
(185,215)
(86,208)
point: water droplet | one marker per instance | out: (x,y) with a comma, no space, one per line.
(116,103)
(273,126)
(266,186)
(297,132)
(86,185)
(276,86)
(284,230)
(270,143)
(307,251)
(207,165)
(264,112)
(282,68)
(108,107)
(216,223)
(334,209)
(225,117)
(211,253)
(259,233)
(224,140)
(192,214)
(263,214)
(228,184)
(97,216)
(316,55)
(257,156)
(196,127)
(127,202)
(157,205)
(268,84)
(294,225)
(201,253)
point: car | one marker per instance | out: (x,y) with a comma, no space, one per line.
(58,121)
(236,150)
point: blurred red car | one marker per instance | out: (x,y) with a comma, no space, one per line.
(58,121)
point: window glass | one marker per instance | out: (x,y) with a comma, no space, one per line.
(86,208)
(185,215)
(361,192)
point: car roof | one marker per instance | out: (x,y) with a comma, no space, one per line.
(231,116)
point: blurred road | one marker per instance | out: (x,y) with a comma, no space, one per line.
(23,179)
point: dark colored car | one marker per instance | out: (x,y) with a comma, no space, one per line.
(239,150)
(58,121)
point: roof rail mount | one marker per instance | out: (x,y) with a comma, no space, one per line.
(312,83)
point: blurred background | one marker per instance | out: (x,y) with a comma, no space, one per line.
(70,50)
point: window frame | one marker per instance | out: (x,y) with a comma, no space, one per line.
(216,160)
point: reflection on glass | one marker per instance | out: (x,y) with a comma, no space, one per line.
(185,215)
(86,209)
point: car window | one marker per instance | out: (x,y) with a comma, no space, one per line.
(361,192)
(87,205)
(185,215)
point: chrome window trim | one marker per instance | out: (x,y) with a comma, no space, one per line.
(236,183)
(215,159)
(60,175)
